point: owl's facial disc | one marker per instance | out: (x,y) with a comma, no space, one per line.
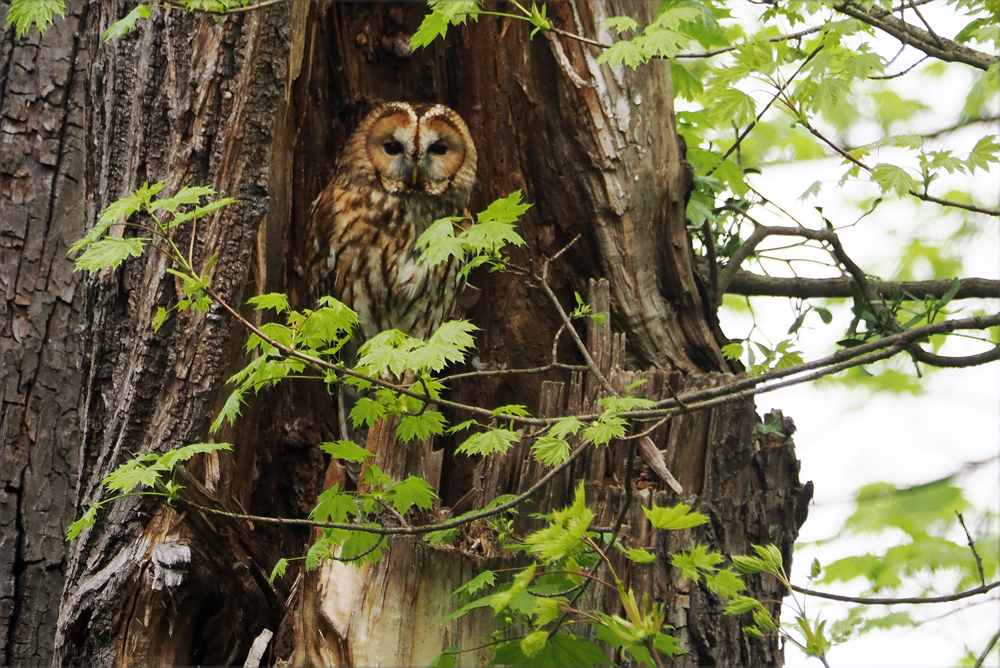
(390,148)
(441,154)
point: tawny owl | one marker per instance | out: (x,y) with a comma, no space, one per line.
(403,168)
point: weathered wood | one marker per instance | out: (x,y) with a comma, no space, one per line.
(42,372)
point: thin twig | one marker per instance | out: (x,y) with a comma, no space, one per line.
(406,531)
(972,546)
(914,600)
(777,95)
(923,196)
(909,69)
(175,4)
(581,346)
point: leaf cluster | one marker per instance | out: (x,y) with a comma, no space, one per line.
(144,473)
(534,604)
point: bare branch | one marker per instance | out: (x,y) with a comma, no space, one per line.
(405,531)
(961,124)
(909,69)
(943,49)
(957,205)
(932,359)
(916,600)
(972,546)
(754,285)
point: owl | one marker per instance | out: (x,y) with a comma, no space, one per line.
(403,168)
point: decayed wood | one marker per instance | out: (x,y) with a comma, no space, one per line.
(749,490)
(42,198)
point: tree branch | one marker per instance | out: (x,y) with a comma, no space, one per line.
(940,48)
(754,285)
(923,196)
(898,601)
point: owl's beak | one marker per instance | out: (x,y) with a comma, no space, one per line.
(416,175)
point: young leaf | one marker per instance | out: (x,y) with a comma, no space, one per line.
(725,583)
(348,450)
(620,52)
(199,212)
(550,451)
(87,521)
(488,442)
(565,531)
(23,13)
(109,252)
(443,13)
(420,427)
(366,412)
(279,570)
(449,343)
(273,300)
(511,409)
(172,458)
(334,506)
(122,26)
(477,584)
(605,428)
(620,23)
(411,492)
(749,565)
(159,319)
(565,427)
(230,411)
(518,586)
(362,543)
(639,555)
(741,605)
(698,559)
(562,649)
(445,659)
(732,351)
(676,517)
(533,643)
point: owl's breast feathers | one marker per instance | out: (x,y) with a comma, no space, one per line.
(363,255)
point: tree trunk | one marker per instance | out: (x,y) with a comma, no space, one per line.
(258,106)
(42,199)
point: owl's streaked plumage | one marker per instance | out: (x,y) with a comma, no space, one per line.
(403,168)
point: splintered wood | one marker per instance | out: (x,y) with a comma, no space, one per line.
(603,468)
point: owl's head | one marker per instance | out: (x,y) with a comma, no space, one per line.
(415,149)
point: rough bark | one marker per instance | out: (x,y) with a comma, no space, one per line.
(258,106)
(190,101)
(42,197)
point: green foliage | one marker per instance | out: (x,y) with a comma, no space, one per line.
(928,516)
(479,244)
(489,442)
(144,471)
(444,13)
(677,517)
(122,26)
(22,14)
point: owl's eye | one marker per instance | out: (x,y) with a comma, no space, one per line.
(393,148)
(437,148)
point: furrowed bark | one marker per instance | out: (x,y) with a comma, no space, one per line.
(42,196)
